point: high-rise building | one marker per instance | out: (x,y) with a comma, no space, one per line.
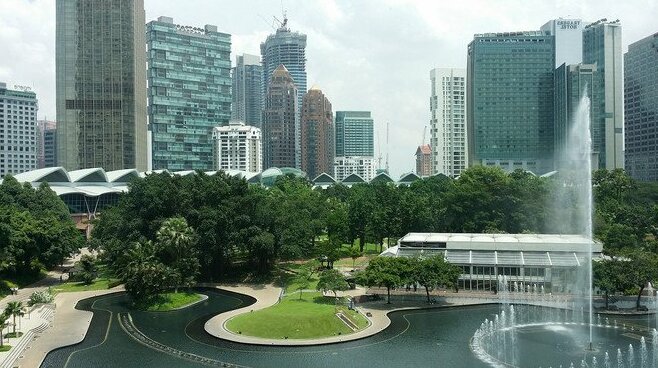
(18,130)
(237,147)
(317,138)
(355,133)
(355,146)
(602,47)
(189,77)
(46,155)
(424,160)
(641,108)
(280,121)
(344,166)
(568,35)
(448,121)
(101,84)
(572,82)
(247,89)
(287,48)
(510,100)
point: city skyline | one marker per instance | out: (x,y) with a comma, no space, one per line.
(423,38)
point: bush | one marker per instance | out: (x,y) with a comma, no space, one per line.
(40,297)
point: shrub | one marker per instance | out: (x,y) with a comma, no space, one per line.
(40,297)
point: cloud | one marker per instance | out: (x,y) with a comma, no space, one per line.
(366,55)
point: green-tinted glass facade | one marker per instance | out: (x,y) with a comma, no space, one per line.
(510,100)
(189,92)
(641,108)
(571,82)
(101,84)
(354,133)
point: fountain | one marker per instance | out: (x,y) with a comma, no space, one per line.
(558,315)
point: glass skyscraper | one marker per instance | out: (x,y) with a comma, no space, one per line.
(101,84)
(354,133)
(510,100)
(247,90)
(602,47)
(189,92)
(641,108)
(571,83)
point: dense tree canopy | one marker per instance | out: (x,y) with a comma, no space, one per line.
(36,229)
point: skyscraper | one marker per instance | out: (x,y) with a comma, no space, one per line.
(18,130)
(280,121)
(571,83)
(317,134)
(237,147)
(568,35)
(101,84)
(510,100)
(247,90)
(287,48)
(46,156)
(641,109)
(448,121)
(189,92)
(355,148)
(602,47)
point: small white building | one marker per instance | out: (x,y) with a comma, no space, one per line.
(363,166)
(553,262)
(237,147)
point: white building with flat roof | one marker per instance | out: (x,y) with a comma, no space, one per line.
(363,166)
(551,261)
(237,147)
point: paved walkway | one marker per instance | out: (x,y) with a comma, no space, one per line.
(268,295)
(69,327)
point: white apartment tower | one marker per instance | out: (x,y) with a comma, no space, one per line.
(448,121)
(18,130)
(237,147)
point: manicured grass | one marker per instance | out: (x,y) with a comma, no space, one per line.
(98,284)
(170,301)
(312,317)
(13,335)
(4,348)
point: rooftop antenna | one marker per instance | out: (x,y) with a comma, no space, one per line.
(379,151)
(387,148)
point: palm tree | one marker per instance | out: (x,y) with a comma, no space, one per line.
(3,325)
(14,309)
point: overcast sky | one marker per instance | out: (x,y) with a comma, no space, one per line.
(364,54)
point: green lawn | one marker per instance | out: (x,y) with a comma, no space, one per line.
(170,301)
(4,348)
(312,317)
(98,284)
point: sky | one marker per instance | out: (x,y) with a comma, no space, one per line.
(371,55)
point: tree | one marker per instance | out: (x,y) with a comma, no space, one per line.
(175,247)
(3,324)
(610,275)
(87,269)
(642,269)
(14,309)
(354,253)
(383,271)
(332,280)
(434,272)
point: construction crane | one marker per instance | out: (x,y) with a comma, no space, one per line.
(424,135)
